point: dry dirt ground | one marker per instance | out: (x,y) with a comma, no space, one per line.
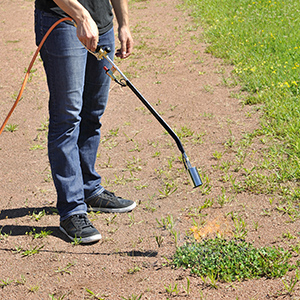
(193,92)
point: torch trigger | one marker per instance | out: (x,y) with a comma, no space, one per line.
(110,73)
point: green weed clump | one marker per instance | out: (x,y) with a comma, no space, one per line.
(231,260)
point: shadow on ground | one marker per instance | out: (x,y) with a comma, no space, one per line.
(25,211)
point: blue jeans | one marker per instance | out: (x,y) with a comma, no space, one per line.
(78,88)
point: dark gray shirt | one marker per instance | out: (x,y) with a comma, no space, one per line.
(100,10)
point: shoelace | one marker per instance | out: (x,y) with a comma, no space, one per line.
(81,221)
(111,197)
(110,194)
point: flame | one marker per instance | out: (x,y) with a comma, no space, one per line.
(218,227)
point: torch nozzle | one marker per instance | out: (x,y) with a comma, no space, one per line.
(192,171)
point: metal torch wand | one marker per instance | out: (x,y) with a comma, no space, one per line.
(100,53)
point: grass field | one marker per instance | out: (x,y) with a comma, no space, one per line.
(261,40)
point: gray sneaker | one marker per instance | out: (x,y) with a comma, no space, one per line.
(108,202)
(79,227)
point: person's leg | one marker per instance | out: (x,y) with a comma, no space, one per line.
(96,89)
(95,96)
(64,61)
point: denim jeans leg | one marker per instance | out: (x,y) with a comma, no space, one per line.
(78,88)
(64,61)
(95,96)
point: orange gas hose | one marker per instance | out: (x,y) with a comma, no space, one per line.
(29,69)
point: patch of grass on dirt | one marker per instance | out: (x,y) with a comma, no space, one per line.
(231,260)
(261,40)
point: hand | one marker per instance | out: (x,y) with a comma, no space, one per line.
(87,33)
(126,42)
(87,30)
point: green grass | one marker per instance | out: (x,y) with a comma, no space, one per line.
(231,260)
(4,283)
(261,40)
(37,235)
(11,127)
(32,251)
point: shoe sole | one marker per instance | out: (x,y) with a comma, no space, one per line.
(112,210)
(86,240)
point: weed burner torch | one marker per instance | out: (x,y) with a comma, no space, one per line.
(101,53)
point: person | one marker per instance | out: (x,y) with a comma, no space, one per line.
(78,88)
